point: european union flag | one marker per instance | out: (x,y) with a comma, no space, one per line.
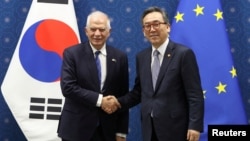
(199,24)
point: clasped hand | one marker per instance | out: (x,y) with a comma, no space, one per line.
(110,104)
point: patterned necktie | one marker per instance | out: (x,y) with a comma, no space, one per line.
(98,65)
(155,67)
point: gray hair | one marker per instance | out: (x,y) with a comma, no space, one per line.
(98,13)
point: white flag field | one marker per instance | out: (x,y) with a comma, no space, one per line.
(31,86)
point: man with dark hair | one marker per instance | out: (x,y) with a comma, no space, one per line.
(167,85)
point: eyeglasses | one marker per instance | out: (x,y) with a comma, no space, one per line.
(155,25)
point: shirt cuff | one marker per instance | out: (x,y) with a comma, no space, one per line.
(121,135)
(99,100)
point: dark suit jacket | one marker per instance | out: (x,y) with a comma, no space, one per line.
(177,103)
(79,84)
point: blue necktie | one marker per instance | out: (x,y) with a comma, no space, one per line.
(155,67)
(98,65)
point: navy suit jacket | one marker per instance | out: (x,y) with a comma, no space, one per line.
(80,87)
(177,103)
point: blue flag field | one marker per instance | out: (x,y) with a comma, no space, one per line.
(199,24)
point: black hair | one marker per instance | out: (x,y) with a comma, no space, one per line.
(155,9)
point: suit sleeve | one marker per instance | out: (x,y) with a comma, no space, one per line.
(194,94)
(70,85)
(134,96)
(123,115)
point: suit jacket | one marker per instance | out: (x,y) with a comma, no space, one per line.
(80,87)
(177,103)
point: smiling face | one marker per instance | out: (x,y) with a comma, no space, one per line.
(97,30)
(155,29)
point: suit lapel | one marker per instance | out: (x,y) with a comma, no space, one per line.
(147,64)
(111,60)
(91,65)
(166,60)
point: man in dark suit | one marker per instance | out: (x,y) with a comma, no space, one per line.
(173,108)
(85,87)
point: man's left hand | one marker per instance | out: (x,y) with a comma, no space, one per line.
(193,135)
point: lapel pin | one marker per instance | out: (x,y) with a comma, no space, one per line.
(114,60)
(169,55)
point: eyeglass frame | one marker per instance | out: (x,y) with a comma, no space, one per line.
(156,25)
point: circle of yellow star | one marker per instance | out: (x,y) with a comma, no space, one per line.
(179,17)
(233,72)
(221,88)
(218,15)
(198,10)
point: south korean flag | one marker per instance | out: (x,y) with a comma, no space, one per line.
(31,86)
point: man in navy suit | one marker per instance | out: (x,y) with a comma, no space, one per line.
(82,117)
(173,108)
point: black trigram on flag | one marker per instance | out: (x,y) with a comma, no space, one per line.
(42,108)
(38,102)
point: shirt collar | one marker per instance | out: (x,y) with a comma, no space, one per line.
(162,48)
(103,49)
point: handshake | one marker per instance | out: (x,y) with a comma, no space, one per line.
(110,104)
